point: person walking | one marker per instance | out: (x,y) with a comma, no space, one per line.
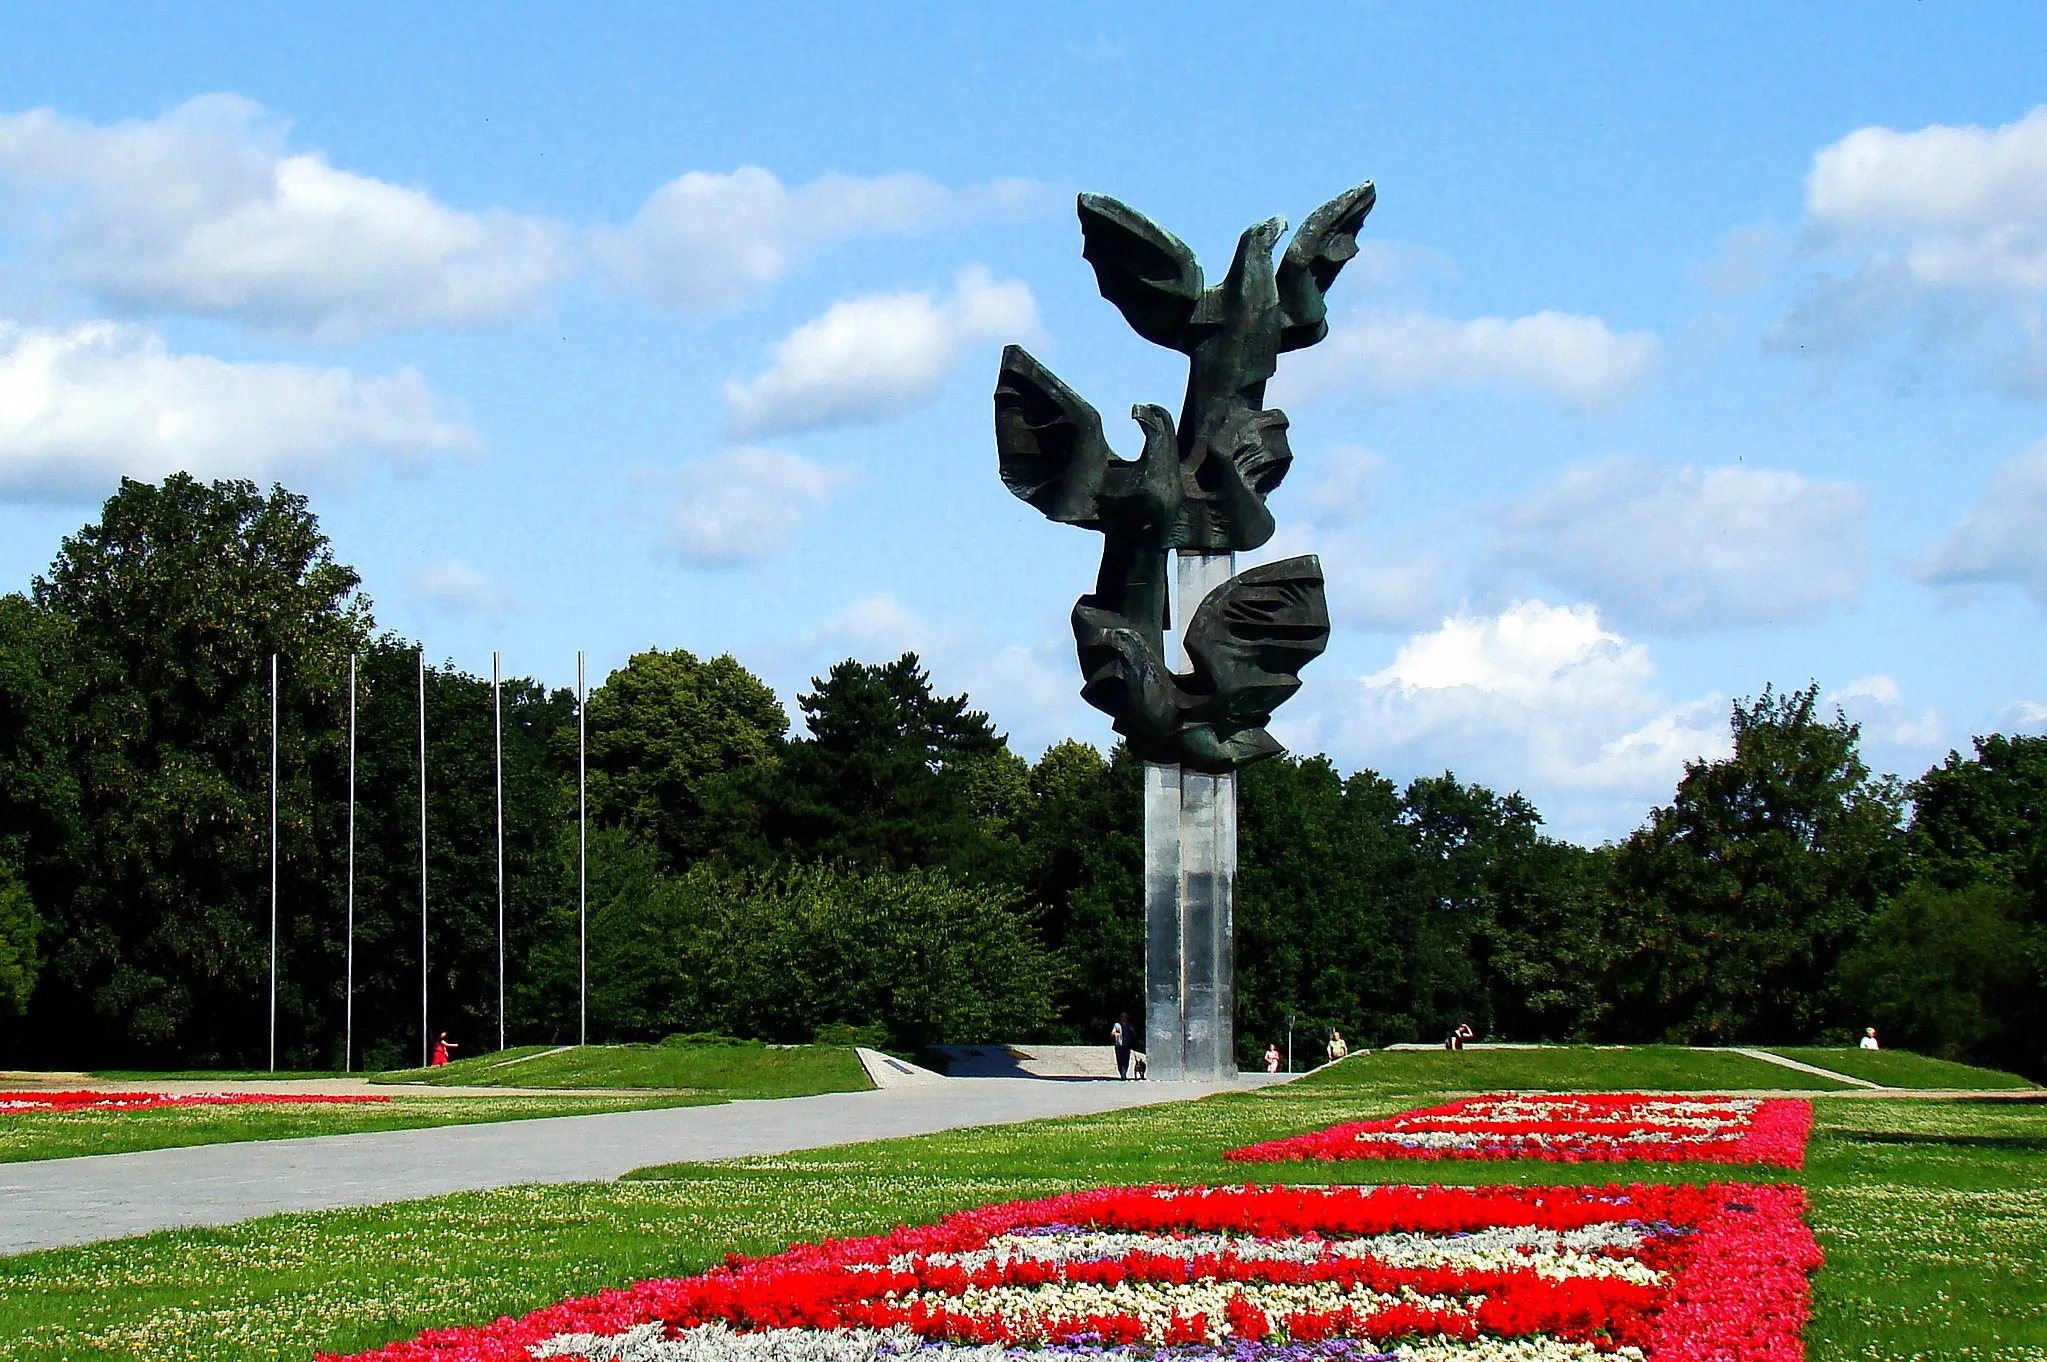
(1337,1048)
(441,1047)
(1119,1036)
(1272,1058)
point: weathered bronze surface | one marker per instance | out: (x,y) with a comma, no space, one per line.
(1198,486)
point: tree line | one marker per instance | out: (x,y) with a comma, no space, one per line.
(890,870)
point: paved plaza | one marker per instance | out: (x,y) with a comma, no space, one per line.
(59,1202)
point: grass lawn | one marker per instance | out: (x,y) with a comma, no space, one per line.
(726,1069)
(1580,1068)
(64,1134)
(1902,1068)
(1933,1215)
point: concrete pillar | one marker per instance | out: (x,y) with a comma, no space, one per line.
(1190,874)
(1164,999)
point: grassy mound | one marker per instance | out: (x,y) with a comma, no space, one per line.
(1578,1068)
(724,1068)
(1902,1068)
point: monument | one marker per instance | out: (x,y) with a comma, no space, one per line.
(1196,491)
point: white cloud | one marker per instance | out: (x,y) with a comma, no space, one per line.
(742,504)
(868,359)
(1375,579)
(203,212)
(1539,698)
(1689,547)
(82,407)
(455,588)
(1577,360)
(877,627)
(1878,705)
(1943,231)
(2004,538)
(705,241)
(1343,489)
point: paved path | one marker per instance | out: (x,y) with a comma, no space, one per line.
(1785,1061)
(58,1202)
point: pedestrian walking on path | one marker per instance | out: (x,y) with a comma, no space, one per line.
(1337,1046)
(441,1047)
(1119,1036)
(1272,1058)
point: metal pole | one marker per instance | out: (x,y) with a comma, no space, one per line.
(348,1006)
(497,724)
(424,1041)
(582,871)
(273,863)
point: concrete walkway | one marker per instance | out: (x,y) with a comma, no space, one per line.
(59,1202)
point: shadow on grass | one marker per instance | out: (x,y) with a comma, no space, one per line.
(2015,1142)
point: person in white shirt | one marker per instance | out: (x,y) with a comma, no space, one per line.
(1869,1039)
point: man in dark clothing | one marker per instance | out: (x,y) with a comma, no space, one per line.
(1119,1036)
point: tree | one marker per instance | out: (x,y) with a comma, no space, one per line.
(894,776)
(174,602)
(784,954)
(1984,819)
(1736,899)
(1082,865)
(1951,972)
(39,792)
(679,751)
(19,927)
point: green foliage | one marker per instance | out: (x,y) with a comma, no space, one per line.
(778,955)
(19,927)
(1736,899)
(171,606)
(1951,972)
(1083,865)
(680,752)
(893,776)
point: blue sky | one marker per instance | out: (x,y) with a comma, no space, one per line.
(1692,348)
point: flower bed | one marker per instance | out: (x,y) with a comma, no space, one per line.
(1272,1274)
(136,1101)
(1595,1128)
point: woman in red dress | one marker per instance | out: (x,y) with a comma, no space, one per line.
(441,1047)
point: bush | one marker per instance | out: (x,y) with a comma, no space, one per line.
(783,955)
(1947,972)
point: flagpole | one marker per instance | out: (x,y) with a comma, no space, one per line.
(582,869)
(424,1041)
(273,863)
(348,1006)
(497,723)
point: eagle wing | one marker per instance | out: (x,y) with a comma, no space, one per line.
(1049,441)
(1326,241)
(1148,273)
(1250,638)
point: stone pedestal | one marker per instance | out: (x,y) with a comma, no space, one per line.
(1190,876)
